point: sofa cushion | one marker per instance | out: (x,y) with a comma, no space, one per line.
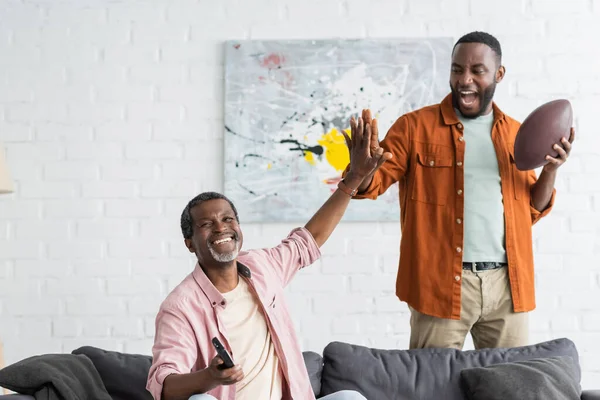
(590,395)
(314,367)
(553,378)
(124,375)
(420,374)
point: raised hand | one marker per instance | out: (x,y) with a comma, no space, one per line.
(366,115)
(365,154)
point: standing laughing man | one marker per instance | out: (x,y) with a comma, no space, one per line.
(466,254)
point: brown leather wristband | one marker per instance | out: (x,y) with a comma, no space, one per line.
(344,188)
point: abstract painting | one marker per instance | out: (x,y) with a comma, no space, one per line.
(286,103)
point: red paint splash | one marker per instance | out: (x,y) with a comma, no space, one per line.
(333,181)
(272,61)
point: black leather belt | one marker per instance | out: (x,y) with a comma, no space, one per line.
(483,266)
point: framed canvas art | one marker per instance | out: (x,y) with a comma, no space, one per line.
(286,102)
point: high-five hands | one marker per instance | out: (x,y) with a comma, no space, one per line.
(365,154)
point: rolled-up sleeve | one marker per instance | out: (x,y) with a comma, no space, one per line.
(296,251)
(536,215)
(173,351)
(374,190)
(396,141)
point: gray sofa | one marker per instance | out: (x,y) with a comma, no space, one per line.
(427,374)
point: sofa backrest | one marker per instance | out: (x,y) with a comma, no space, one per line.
(423,374)
(125,375)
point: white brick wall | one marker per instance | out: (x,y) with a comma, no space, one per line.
(111,118)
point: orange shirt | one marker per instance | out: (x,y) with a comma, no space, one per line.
(429,149)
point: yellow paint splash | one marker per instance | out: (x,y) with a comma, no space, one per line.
(336,151)
(310,158)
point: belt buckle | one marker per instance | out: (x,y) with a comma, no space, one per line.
(474,267)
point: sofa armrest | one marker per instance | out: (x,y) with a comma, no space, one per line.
(590,395)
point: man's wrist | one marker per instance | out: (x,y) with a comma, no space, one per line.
(352,181)
(550,171)
(207,380)
(177,386)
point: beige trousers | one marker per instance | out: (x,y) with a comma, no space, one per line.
(486,312)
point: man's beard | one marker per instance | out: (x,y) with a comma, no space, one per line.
(485,99)
(224,257)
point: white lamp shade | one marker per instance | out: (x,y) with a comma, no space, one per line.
(6,184)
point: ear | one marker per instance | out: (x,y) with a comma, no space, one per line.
(189,245)
(500,74)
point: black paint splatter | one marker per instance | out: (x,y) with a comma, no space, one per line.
(228,129)
(252,155)
(315,122)
(318,150)
(247,189)
(289,118)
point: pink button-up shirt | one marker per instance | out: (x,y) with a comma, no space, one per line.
(189,318)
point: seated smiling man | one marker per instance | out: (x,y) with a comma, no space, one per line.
(238,298)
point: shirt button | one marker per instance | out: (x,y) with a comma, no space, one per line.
(459,191)
(459,126)
(431,163)
(457,278)
(459,163)
(458,249)
(460,139)
(458,220)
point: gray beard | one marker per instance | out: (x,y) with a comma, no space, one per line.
(224,257)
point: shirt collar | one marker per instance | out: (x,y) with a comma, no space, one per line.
(212,293)
(449,115)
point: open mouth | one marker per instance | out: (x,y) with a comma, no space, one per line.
(223,240)
(467,97)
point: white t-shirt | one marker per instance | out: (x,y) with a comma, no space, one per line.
(251,346)
(484,231)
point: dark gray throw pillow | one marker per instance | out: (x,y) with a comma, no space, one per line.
(552,378)
(314,367)
(124,375)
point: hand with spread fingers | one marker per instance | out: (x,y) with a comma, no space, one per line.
(563,149)
(365,154)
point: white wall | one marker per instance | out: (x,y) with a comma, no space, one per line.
(111,115)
